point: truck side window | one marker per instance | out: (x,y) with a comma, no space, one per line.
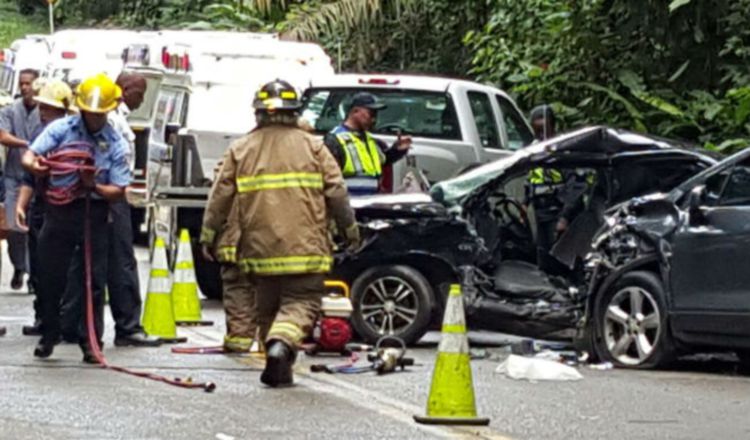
(518,132)
(484,118)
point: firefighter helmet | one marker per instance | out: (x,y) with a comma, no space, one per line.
(98,94)
(277,95)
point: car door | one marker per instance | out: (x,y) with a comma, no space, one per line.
(486,125)
(710,274)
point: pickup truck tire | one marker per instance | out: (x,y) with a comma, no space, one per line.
(392,300)
(208,275)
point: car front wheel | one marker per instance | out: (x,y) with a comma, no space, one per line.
(392,300)
(631,322)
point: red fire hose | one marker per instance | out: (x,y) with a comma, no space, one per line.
(71,160)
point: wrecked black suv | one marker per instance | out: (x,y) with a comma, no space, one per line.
(482,228)
(671,271)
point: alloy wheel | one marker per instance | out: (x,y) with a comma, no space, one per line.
(632,325)
(389,305)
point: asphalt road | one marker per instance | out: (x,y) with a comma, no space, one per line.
(61,398)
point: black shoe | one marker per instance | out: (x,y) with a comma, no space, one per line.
(44,349)
(138,339)
(32,330)
(30,288)
(279,362)
(88,355)
(3,330)
(17,281)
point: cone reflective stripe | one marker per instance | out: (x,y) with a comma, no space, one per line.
(187,305)
(451,400)
(158,315)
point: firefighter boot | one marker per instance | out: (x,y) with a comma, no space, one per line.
(44,348)
(279,362)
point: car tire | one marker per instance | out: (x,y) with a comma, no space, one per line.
(208,275)
(394,300)
(631,323)
(744,357)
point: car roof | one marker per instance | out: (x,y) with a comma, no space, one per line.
(592,143)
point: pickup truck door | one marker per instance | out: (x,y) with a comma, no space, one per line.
(485,125)
(517,133)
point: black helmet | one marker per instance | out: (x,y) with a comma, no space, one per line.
(277,95)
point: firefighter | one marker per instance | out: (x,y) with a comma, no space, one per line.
(55,101)
(62,234)
(284,183)
(238,289)
(361,156)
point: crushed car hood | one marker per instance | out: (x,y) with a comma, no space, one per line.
(413,205)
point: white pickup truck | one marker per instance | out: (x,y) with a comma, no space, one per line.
(455,124)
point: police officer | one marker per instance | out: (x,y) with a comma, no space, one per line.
(18,122)
(62,234)
(123,285)
(55,100)
(284,183)
(361,156)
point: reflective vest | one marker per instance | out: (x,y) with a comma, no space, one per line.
(362,167)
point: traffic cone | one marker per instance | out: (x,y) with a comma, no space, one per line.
(158,315)
(451,400)
(187,305)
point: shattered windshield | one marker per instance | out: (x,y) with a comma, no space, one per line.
(451,192)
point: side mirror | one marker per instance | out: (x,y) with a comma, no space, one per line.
(696,199)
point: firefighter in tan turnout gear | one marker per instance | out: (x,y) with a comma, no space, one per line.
(285,184)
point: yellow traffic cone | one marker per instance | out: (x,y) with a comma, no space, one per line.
(187,305)
(451,400)
(158,315)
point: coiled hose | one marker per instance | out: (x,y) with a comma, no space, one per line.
(70,160)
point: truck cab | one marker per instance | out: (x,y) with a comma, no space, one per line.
(454,124)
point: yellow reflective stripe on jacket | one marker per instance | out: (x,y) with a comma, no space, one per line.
(288,330)
(227,254)
(540,176)
(287,265)
(207,235)
(361,159)
(278,181)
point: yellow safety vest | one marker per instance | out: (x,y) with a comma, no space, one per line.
(362,168)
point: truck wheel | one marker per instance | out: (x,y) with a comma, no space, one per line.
(208,275)
(392,300)
(631,323)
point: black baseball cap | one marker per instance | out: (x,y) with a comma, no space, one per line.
(366,100)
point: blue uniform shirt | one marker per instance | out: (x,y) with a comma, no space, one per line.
(110,152)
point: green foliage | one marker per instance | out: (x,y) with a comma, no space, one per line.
(14,25)
(672,68)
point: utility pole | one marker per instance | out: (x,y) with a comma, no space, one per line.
(51,8)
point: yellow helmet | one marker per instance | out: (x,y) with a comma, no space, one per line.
(55,93)
(98,94)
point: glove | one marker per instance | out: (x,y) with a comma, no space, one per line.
(351,234)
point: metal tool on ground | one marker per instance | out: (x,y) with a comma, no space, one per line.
(158,313)
(333,332)
(187,305)
(388,359)
(68,161)
(451,400)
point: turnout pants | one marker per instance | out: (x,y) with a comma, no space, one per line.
(122,277)
(288,306)
(239,308)
(62,239)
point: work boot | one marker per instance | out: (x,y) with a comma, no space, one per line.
(88,355)
(44,349)
(3,330)
(279,363)
(17,281)
(32,330)
(138,339)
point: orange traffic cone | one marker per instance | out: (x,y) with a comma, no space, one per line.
(187,305)
(451,400)
(158,315)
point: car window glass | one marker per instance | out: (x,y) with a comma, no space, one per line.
(484,119)
(636,178)
(415,112)
(737,189)
(518,132)
(715,186)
